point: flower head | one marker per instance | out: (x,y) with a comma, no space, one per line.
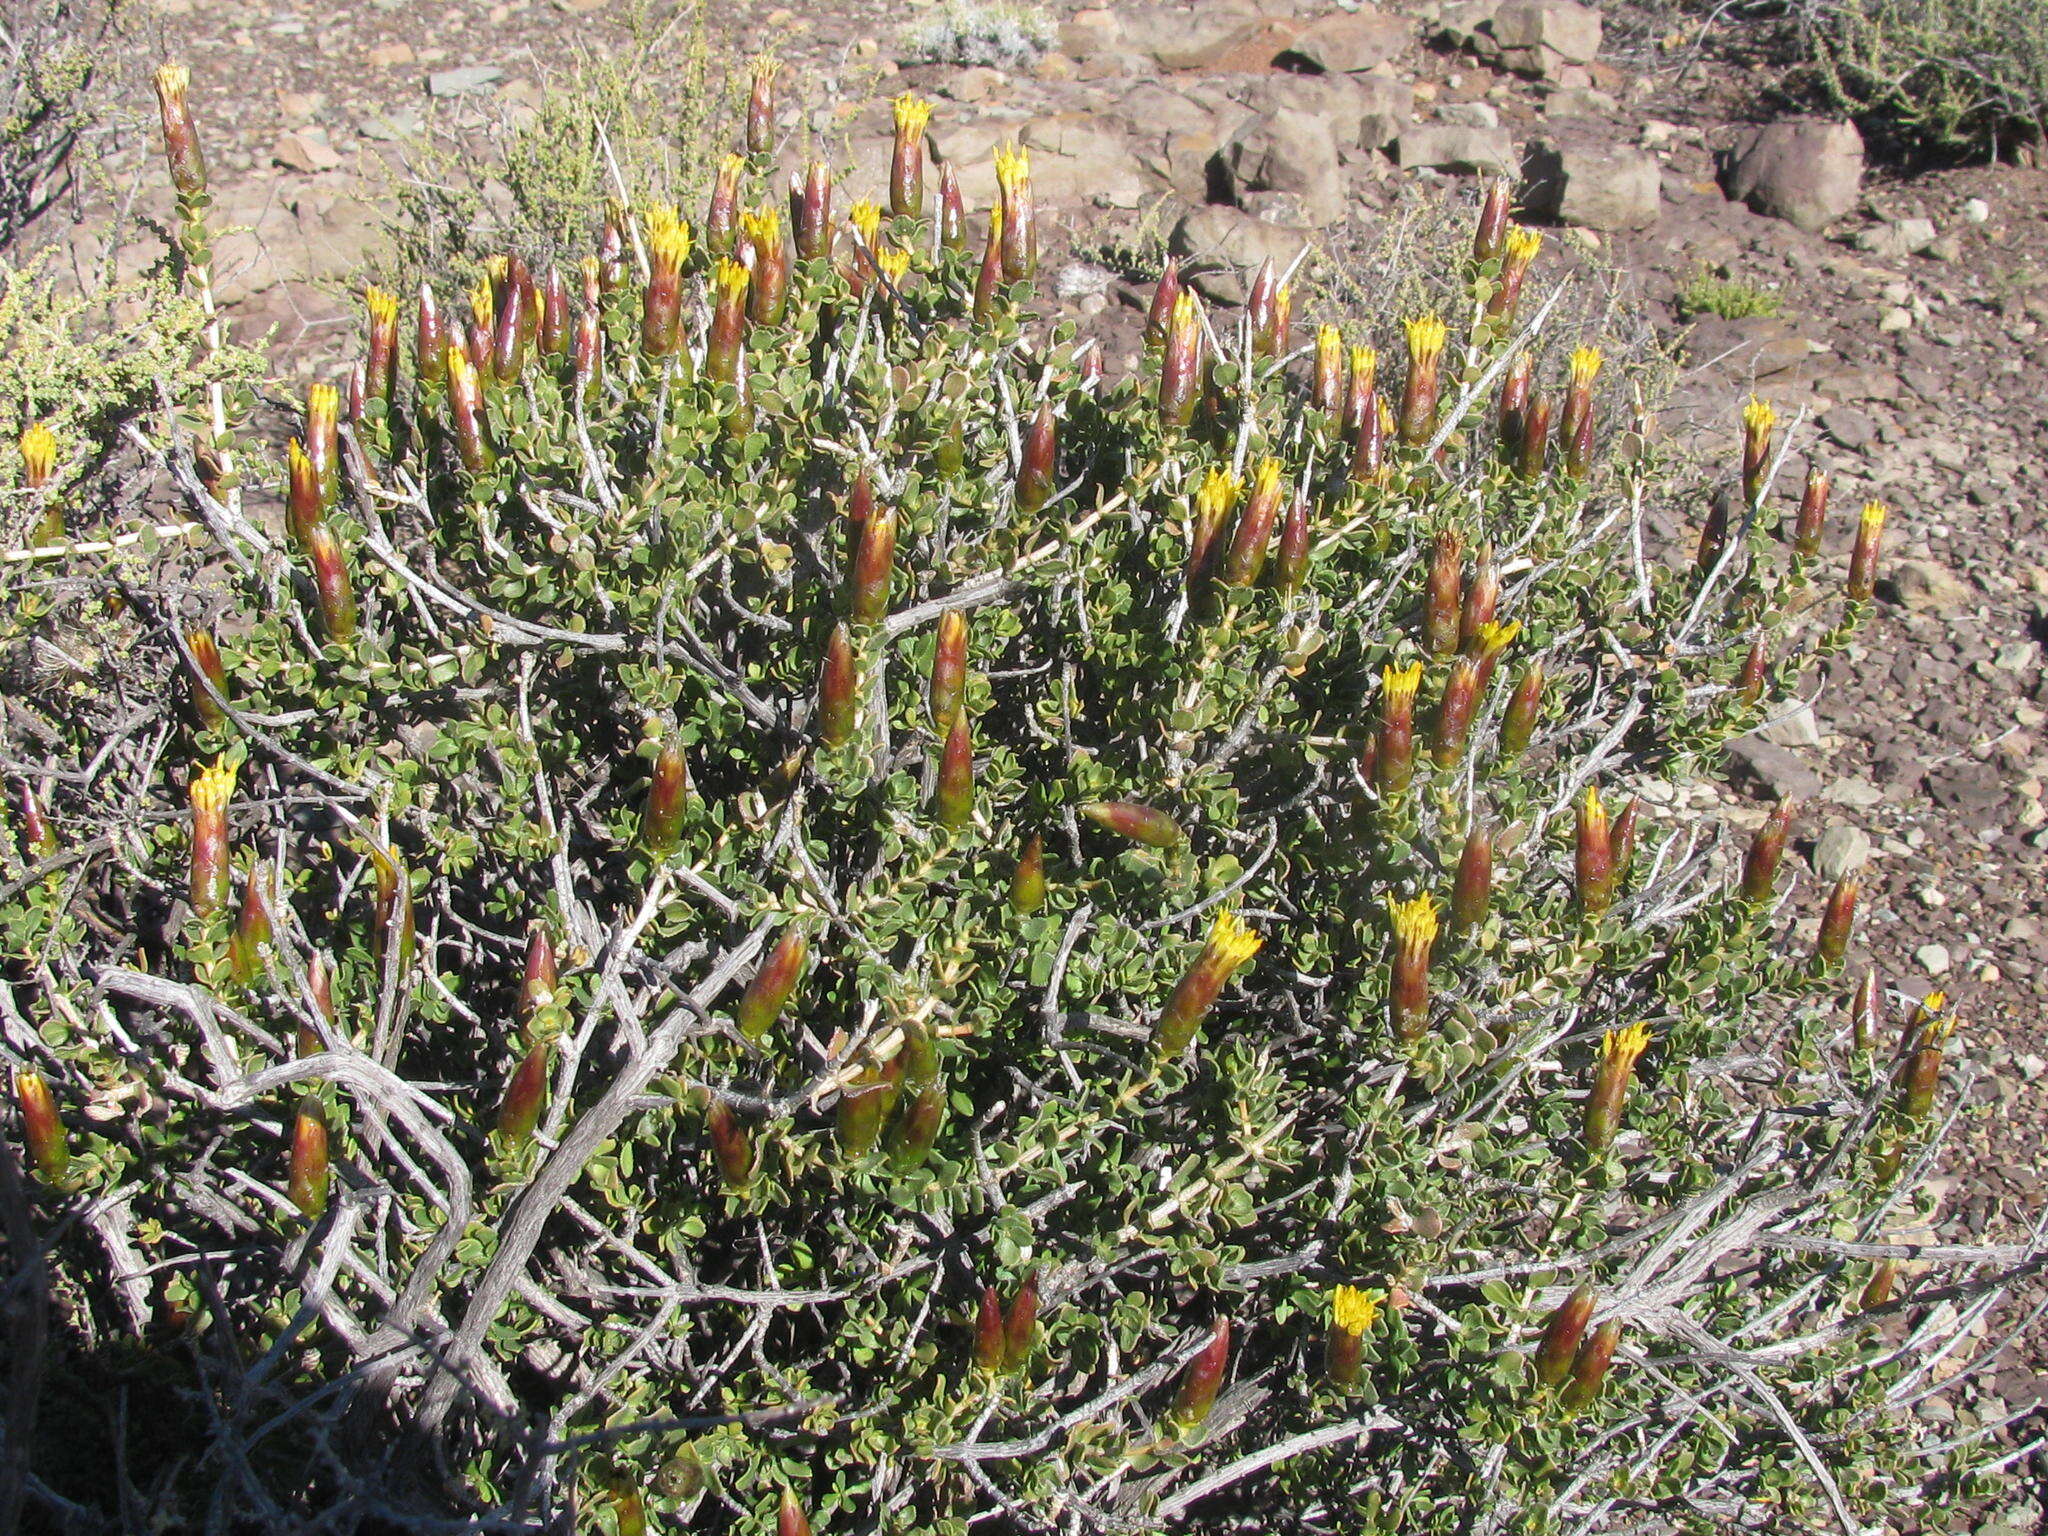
(763,227)
(1414,921)
(1216,495)
(730,278)
(1585,366)
(1230,943)
(1522,245)
(668,238)
(1426,337)
(912,113)
(1619,1048)
(38,455)
(1399,684)
(1352,1309)
(211,787)
(866,218)
(1758,418)
(1013,168)
(895,265)
(382,305)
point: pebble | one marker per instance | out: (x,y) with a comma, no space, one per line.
(1933,959)
(1841,851)
(463,82)
(1976,210)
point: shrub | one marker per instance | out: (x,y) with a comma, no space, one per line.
(998,35)
(1708,292)
(774,900)
(51,55)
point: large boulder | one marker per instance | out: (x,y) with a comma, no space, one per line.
(1542,38)
(1287,151)
(1591,184)
(1380,106)
(1347,44)
(1806,172)
(1224,246)
(1454,147)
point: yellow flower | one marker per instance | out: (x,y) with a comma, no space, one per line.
(1353,1310)
(211,787)
(1328,336)
(912,113)
(867,221)
(1495,637)
(1013,168)
(1230,943)
(731,277)
(383,306)
(1400,683)
(762,226)
(482,305)
(1365,367)
(895,265)
(1425,339)
(1522,246)
(1585,366)
(172,81)
(1414,921)
(1873,518)
(1266,479)
(1217,495)
(1619,1048)
(1758,418)
(668,238)
(38,454)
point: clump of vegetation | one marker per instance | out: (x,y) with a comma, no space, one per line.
(52,53)
(993,33)
(1707,291)
(767,898)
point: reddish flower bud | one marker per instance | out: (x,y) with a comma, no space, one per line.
(1361,398)
(917,1126)
(731,1148)
(1270,309)
(1525,705)
(1139,823)
(722,219)
(1578,413)
(661,823)
(1766,849)
(252,930)
(1482,599)
(773,984)
(430,339)
(1863,555)
(1027,881)
(1414,932)
(1454,712)
(1394,757)
(1159,318)
(728,330)
(307,1185)
(813,216)
(380,370)
(1201,1381)
(1594,856)
(761,107)
(553,310)
(526,1094)
(1490,239)
(589,354)
(320,987)
(466,409)
(42,1129)
(1589,1370)
(1035,471)
(1622,839)
(1562,1335)
(357,394)
(1713,534)
(1214,498)
(906,160)
(331,585)
(1426,337)
(1020,217)
(1442,603)
(949,667)
(1615,1069)
(1919,1074)
(1327,391)
(1866,1011)
(1229,946)
(988,282)
(661,303)
(1290,564)
(1020,1326)
(789,1517)
(1518,250)
(864,1105)
(1837,921)
(1472,890)
(953,798)
(1759,421)
(1369,452)
(508,344)
(1535,437)
(1246,557)
(323,441)
(207,678)
(874,566)
(860,502)
(207,871)
(1883,1277)
(391,916)
(1813,512)
(837,685)
(1180,370)
(1749,687)
(989,1338)
(35,835)
(181,137)
(952,210)
(1514,404)
(538,980)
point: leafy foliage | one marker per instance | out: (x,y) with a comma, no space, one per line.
(1946,75)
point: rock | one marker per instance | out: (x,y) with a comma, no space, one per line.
(1897,237)
(1347,44)
(1584,101)
(1770,771)
(1184,40)
(1469,114)
(1976,210)
(391,55)
(1858,794)
(1805,171)
(393,126)
(1849,428)
(306,150)
(1934,959)
(464,82)
(1226,244)
(1075,159)
(1968,786)
(1380,106)
(1840,851)
(1591,185)
(1753,347)
(1543,38)
(1448,147)
(1467,23)
(1287,151)
(1087,33)
(1795,728)
(1922,586)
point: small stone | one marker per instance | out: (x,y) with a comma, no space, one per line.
(2018,656)
(1771,771)
(1841,851)
(1808,173)
(306,150)
(1896,238)
(1796,727)
(391,55)
(1087,33)
(1857,794)
(2031,1066)
(1894,321)
(1976,210)
(1469,114)
(1545,39)
(1933,959)
(1287,151)
(300,106)
(1922,586)
(465,81)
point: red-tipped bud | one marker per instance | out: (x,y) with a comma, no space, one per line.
(1613,1071)
(252,930)
(37,838)
(1270,309)
(1472,889)
(1535,435)
(380,368)
(323,441)
(555,325)
(309,1174)
(988,1332)
(949,667)
(906,161)
(1036,470)
(1139,823)
(773,984)
(1589,1370)
(1622,839)
(1813,513)
(1326,392)
(837,685)
(731,1148)
(1159,319)
(814,213)
(661,822)
(864,1105)
(874,566)
(789,1516)
(1866,1011)
(320,987)
(1454,712)
(1578,413)
(1214,498)
(1020,1326)
(466,410)
(988,282)
(1369,451)
(1229,946)
(1246,557)
(1749,687)
(1027,881)
(1290,564)
(42,1130)
(1425,338)
(1202,1380)
(1863,555)
(1562,1336)
(1180,369)
(526,1094)
(1713,535)
(1525,707)
(588,361)
(952,211)
(391,915)
(860,502)
(207,885)
(208,678)
(430,339)
(508,342)
(1514,405)
(302,506)
(953,798)
(538,979)
(769,293)
(1594,856)
(924,1111)
(1394,755)
(1518,251)
(722,219)
(181,137)
(357,393)
(761,107)
(728,330)
(1482,599)
(1837,921)
(331,585)
(1414,925)
(1766,849)
(1443,600)
(1883,1278)
(1490,238)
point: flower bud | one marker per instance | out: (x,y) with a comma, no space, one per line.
(1290,564)
(1020,218)
(1813,512)
(1472,889)
(35,836)
(331,585)
(508,342)
(1866,1011)
(554,314)
(1201,1381)
(988,283)
(1490,239)
(952,210)
(430,339)
(1766,849)
(761,107)
(1589,1370)
(1327,393)
(661,304)
(1562,1335)
(393,933)
(1369,450)
(1713,534)
(319,987)
(917,1126)
(1230,944)
(538,979)
(953,798)
(722,219)
(1352,1312)
(789,1517)
(466,409)
(323,442)
(1180,369)
(1159,318)
(1619,1049)
(252,930)
(1214,498)
(1443,601)
(661,823)
(1578,412)
(1919,1075)
(1535,438)
(728,329)
(207,868)
(874,566)
(356,396)
(837,686)
(1488,644)
(588,361)
(1426,338)
(1035,471)
(181,138)
(1454,712)
(1414,928)
(1749,687)
(1622,839)
(1759,421)
(813,213)
(730,1147)
(1525,705)
(988,1332)
(309,1173)
(526,1094)
(949,667)
(1594,856)
(1863,556)
(1394,759)
(1246,557)
(1020,1327)
(381,368)
(1883,1277)
(1518,250)
(770,990)
(42,1129)
(1481,600)
(1514,405)
(1837,921)
(906,160)
(207,678)
(38,447)
(864,1105)
(1027,881)
(1272,315)
(1139,823)
(1361,397)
